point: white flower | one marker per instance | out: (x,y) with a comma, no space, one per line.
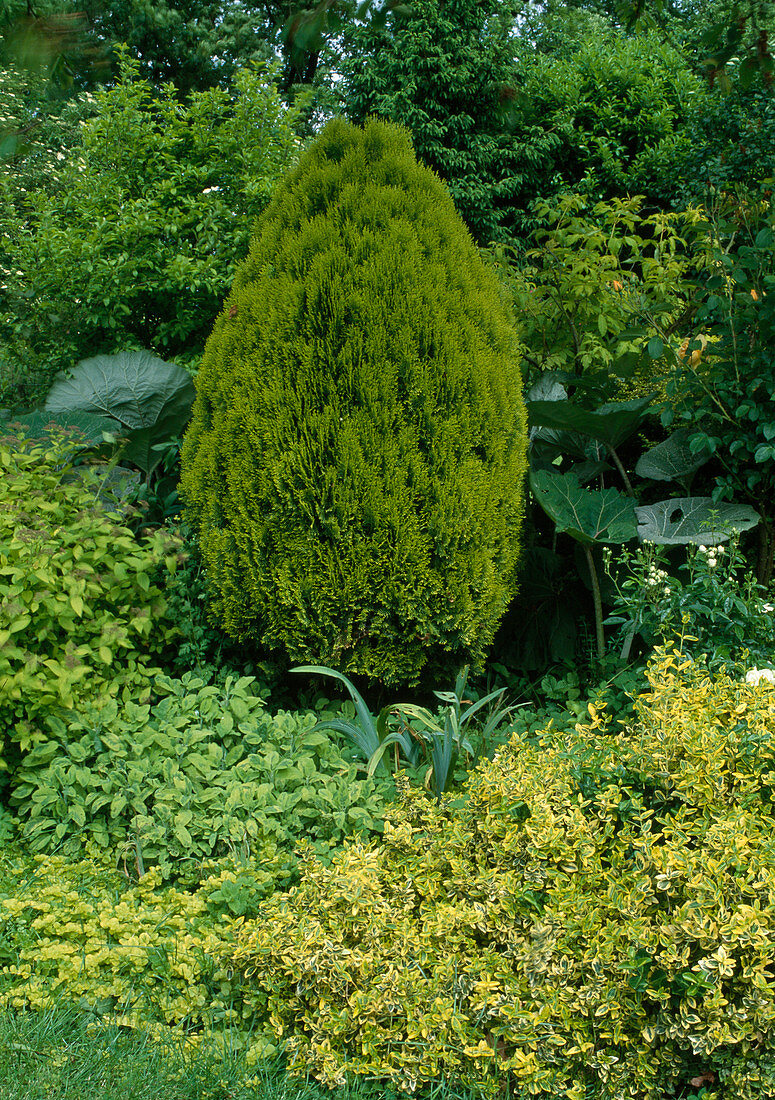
(207,190)
(702,549)
(768,608)
(754,676)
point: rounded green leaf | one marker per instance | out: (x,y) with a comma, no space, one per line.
(700,520)
(148,399)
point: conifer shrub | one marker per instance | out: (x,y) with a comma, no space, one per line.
(355,463)
(593,919)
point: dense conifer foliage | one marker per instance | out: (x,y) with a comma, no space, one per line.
(356,457)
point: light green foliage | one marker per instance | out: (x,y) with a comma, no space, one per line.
(355,462)
(602,280)
(137,243)
(593,920)
(201,773)
(81,613)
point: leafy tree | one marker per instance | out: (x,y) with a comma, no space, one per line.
(723,387)
(195,44)
(731,137)
(591,111)
(134,241)
(602,281)
(444,70)
(603,115)
(51,37)
(355,462)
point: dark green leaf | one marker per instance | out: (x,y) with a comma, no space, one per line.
(673,459)
(148,398)
(586,515)
(611,423)
(655,347)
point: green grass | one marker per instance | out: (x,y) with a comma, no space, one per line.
(56,1055)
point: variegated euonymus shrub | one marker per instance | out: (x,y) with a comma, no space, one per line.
(594,918)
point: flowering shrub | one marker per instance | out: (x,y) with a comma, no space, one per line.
(712,605)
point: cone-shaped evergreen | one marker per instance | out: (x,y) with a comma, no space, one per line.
(356,459)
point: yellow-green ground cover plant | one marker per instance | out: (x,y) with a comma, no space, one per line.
(592,917)
(355,463)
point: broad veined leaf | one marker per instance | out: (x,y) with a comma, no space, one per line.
(87,428)
(147,399)
(671,460)
(611,423)
(586,515)
(548,387)
(700,520)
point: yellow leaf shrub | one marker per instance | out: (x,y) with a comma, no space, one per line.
(594,918)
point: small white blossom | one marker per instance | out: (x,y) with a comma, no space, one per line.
(207,190)
(754,676)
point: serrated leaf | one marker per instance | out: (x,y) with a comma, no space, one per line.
(589,516)
(699,520)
